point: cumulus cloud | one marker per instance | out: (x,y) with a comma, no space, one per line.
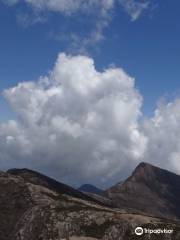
(77,121)
(163,131)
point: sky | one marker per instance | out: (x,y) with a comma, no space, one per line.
(89,88)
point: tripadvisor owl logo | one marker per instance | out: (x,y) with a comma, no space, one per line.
(139,231)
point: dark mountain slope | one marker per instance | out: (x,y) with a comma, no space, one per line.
(149,190)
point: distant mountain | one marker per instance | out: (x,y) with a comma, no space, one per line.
(149,190)
(90,189)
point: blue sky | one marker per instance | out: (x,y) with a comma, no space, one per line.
(141,37)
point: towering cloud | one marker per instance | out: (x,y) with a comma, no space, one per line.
(76,120)
(80,123)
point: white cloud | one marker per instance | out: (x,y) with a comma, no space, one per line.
(77,121)
(134,8)
(81,124)
(163,132)
(65,6)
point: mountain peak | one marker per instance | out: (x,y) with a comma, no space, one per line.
(143,172)
(150,174)
(150,189)
(145,166)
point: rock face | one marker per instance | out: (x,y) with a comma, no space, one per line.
(35,207)
(149,190)
(90,189)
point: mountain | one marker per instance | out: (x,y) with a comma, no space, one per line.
(90,189)
(149,190)
(40,179)
(36,207)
